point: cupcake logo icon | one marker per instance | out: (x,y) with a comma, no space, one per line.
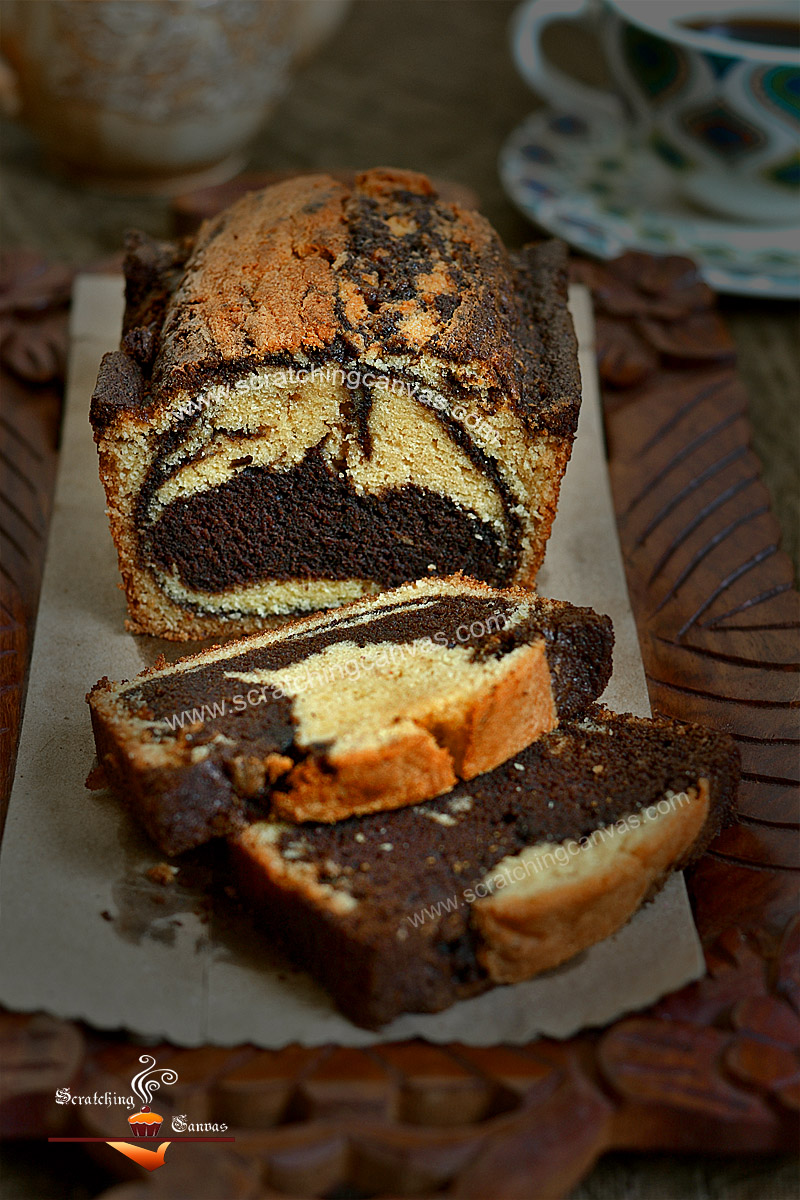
(146,1124)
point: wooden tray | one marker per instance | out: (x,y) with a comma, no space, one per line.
(712,1068)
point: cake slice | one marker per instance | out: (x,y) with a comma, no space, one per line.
(384,702)
(331,390)
(508,875)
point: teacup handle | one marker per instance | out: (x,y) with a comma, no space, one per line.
(555,86)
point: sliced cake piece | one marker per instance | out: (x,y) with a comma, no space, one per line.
(384,702)
(331,390)
(508,875)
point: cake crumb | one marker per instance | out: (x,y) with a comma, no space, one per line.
(294,851)
(442,818)
(162,873)
(96,779)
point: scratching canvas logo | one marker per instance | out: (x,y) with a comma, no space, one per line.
(146,1123)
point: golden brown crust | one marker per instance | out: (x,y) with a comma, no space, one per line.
(283,242)
(556,455)
(312,269)
(410,769)
(526,929)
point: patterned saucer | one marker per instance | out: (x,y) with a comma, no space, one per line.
(583,180)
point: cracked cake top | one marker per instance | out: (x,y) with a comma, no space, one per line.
(313,270)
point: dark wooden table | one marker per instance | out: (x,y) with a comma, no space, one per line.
(429,84)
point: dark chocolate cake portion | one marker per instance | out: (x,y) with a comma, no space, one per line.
(332,389)
(383,702)
(381,908)
(403,534)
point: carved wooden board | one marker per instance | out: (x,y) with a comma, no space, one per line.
(33,349)
(714,1067)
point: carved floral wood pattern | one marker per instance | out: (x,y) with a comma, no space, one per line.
(714,1067)
(34,298)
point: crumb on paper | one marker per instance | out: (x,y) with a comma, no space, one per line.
(96,780)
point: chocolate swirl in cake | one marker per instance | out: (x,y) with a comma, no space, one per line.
(329,391)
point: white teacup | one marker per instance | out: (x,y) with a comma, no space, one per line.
(692,78)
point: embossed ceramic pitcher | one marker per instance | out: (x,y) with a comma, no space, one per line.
(154,95)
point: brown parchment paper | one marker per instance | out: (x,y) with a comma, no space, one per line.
(85,934)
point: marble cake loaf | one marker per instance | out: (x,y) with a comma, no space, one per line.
(508,875)
(384,702)
(329,391)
